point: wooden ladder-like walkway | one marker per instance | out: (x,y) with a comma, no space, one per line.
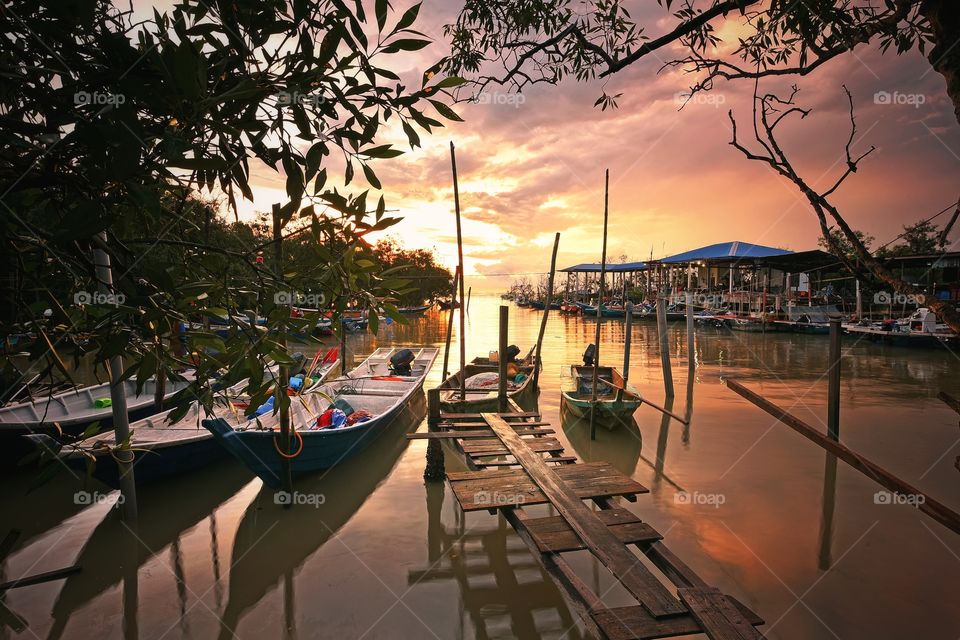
(539,473)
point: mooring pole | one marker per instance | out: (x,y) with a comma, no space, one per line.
(603,271)
(446,348)
(463,315)
(502,359)
(664,345)
(833,378)
(469,293)
(118,399)
(283,375)
(538,361)
(691,356)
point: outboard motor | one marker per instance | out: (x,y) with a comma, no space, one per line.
(400,362)
(589,355)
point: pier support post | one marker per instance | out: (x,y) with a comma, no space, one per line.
(502,359)
(435,468)
(691,359)
(833,378)
(664,346)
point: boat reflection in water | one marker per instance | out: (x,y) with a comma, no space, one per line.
(620,447)
(273,542)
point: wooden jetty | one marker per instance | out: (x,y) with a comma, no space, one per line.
(540,473)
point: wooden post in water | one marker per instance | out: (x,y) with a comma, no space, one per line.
(691,357)
(538,361)
(446,348)
(283,377)
(664,346)
(463,324)
(118,398)
(833,378)
(603,271)
(502,359)
(627,339)
(469,292)
(859,302)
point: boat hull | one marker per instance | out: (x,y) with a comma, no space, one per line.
(525,396)
(611,414)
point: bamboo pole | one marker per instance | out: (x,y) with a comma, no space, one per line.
(664,346)
(603,271)
(538,361)
(118,398)
(463,326)
(446,349)
(286,473)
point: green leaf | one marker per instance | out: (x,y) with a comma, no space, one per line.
(373,321)
(445,111)
(408,18)
(381,11)
(406,44)
(452,81)
(371,176)
(198,164)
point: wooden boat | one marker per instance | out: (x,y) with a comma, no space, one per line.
(607,311)
(570,308)
(411,311)
(448,304)
(478,400)
(70,413)
(163,449)
(373,387)
(616,401)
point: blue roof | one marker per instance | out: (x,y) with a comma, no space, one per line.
(726,252)
(594,267)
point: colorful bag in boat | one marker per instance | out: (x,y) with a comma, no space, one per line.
(358,416)
(332,419)
(103,403)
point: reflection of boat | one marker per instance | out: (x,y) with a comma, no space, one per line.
(380,387)
(165,512)
(272,542)
(523,393)
(616,402)
(72,412)
(621,447)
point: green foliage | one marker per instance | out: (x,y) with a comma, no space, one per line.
(427,279)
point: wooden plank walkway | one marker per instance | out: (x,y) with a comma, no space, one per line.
(531,469)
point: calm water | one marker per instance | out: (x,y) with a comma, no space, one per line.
(797,537)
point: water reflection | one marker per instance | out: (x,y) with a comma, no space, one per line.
(504,593)
(273,542)
(620,447)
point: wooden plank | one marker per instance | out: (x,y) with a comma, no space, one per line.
(950,401)
(933,508)
(501,488)
(39,578)
(493,446)
(635,623)
(470,435)
(485,427)
(717,615)
(504,463)
(554,535)
(515,415)
(614,555)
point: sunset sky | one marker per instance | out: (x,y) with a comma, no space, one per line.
(532,166)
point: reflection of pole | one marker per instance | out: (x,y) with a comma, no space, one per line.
(118,398)
(662,439)
(289,615)
(826,518)
(130,549)
(833,378)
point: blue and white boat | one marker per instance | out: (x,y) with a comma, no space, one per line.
(378,389)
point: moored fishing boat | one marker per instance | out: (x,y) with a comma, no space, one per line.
(616,400)
(483,376)
(367,399)
(412,311)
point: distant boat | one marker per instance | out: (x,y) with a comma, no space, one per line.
(616,400)
(163,449)
(448,304)
(920,329)
(379,387)
(72,412)
(414,310)
(485,399)
(570,308)
(607,311)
